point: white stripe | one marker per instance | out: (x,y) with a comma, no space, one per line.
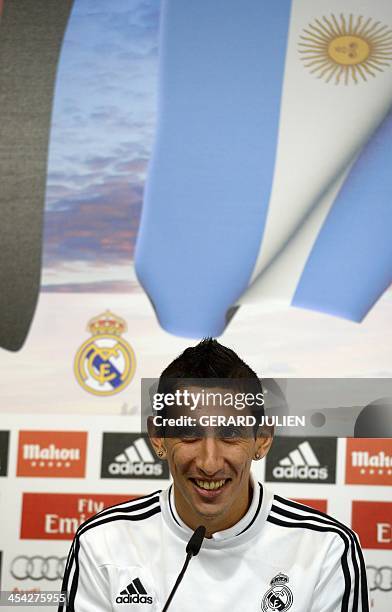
(285,461)
(308,454)
(307,512)
(70,564)
(312,519)
(144,451)
(310,516)
(70,579)
(111,514)
(115,511)
(278,281)
(296,457)
(121,458)
(118,515)
(132,455)
(322,129)
(129,502)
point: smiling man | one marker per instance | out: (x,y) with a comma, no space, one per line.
(211,455)
(261,551)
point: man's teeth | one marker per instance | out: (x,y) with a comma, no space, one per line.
(210,485)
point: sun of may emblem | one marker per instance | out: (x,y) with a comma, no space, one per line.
(346,50)
(105,363)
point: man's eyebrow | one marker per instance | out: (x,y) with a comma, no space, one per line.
(182,431)
(198,431)
(241,430)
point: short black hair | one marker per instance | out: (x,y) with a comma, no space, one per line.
(216,365)
(208,359)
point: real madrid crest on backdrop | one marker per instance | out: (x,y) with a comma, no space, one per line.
(105,363)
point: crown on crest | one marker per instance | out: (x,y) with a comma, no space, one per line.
(279,579)
(107,323)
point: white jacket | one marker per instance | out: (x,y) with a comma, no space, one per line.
(281,555)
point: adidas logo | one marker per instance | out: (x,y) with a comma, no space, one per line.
(134,593)
(136,460)
(301,463)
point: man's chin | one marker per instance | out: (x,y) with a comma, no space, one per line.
(208,512)
(209,502)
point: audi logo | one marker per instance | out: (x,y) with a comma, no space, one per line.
(38,568)
(379,578)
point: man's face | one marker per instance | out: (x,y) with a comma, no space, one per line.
(211,470)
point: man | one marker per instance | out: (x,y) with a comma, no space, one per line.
(261,551)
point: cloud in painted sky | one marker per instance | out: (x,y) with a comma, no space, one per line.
(102,132)
(96,223)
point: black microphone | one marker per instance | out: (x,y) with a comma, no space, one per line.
(192,549)
(196,541)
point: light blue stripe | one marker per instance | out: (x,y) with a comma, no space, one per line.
(350,265)
(210,177)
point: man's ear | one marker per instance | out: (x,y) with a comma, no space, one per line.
(264,439)
(156,439)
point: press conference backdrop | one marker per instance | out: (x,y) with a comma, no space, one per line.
(103,125)
(265,127)
(71,394)
(55,475)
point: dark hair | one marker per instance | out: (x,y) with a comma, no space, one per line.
(208,359)
(216,365)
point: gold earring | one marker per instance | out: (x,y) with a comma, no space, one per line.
(257,457)
(161,453)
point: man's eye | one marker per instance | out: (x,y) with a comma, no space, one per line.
(189,433)
(229,433)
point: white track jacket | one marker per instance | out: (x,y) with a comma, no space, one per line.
(280,556)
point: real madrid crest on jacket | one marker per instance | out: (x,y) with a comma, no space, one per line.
(280,556)
(278,597)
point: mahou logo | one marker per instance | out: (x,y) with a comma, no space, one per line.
(57,454)
(57,516)
(369,461)
(373,523)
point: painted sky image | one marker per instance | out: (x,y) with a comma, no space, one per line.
(103,125)
(102,131)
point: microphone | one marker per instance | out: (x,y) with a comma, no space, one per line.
(192,549)
(196,541)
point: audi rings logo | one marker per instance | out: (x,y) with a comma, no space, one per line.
(38,568)
(379,578)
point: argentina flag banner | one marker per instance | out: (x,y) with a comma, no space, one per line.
(270,180)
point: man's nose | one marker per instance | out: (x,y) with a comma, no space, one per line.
(209,458)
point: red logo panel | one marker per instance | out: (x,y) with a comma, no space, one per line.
(369,461)
(56,454)
(57,516)
(317,504)
(373,523)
